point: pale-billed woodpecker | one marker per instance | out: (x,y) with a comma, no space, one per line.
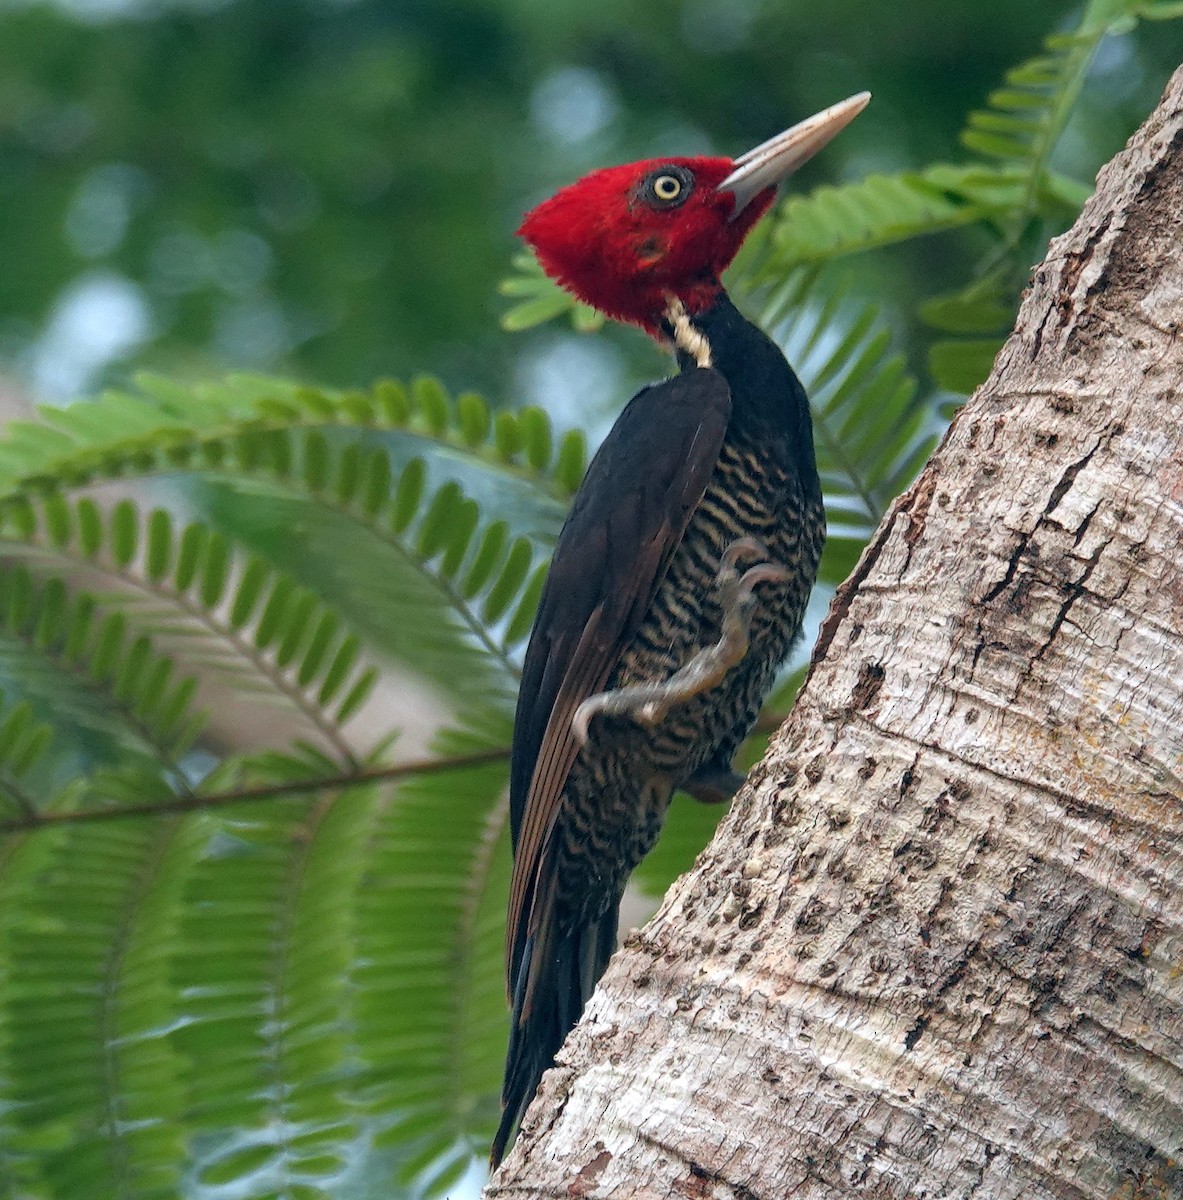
(679,580)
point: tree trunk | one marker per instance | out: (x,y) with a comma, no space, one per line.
(937,946)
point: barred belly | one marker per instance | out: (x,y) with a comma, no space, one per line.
(620,786)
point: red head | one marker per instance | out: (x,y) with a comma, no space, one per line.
(627,239)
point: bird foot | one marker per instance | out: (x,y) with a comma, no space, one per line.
(648,703)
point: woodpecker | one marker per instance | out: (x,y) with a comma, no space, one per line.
(679,580)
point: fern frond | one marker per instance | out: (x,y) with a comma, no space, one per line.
(431,1001)
(1026,116)
(265,966)
(189,590)
(164,428)
(433,582)
(22,860)
(881,210)
(78,667)
(469,583)
(93,1083)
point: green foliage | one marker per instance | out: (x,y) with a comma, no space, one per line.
(276,967)
(257,423)
(540,299)
(301,982)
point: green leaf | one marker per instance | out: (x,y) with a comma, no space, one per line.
(84,957)
(393,401)
(250,589)
(297,616)
(51,614)
(90,526)
(572,460)
(357,694)
(507,436)
(966,314)
(484,562)
(274,612)
(160,545)
(432,402)
(344,661)
(125,532)
(509,582)
(463,525)
(408,493)
(523,617)
(437,523)
(323,634)
(377,482)
(431,1009)
(474,419)
(1027,116)
(540,299)
(348,472)
(215,569)
(877,211)
(190,555)
(58,519)
(106,650)
(316,461)
(536,436)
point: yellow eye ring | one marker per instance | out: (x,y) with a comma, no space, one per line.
(667,187)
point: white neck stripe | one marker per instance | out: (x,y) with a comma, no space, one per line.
(687,338)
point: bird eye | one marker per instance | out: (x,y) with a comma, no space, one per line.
(667,187)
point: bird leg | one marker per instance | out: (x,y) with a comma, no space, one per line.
(648,703)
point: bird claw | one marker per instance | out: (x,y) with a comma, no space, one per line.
(648,703)
(735,589)
(745,546)
(645,703)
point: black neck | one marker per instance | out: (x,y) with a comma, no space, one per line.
(769,405)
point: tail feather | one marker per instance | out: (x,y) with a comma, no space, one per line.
(555,980)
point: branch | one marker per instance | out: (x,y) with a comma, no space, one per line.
(271,791)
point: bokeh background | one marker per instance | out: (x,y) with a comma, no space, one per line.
(328,189)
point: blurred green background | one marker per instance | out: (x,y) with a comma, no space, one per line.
(329,189)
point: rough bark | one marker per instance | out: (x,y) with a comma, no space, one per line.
(937,946)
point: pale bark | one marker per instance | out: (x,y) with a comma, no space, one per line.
(937,947)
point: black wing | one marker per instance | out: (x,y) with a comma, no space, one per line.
(626,521)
